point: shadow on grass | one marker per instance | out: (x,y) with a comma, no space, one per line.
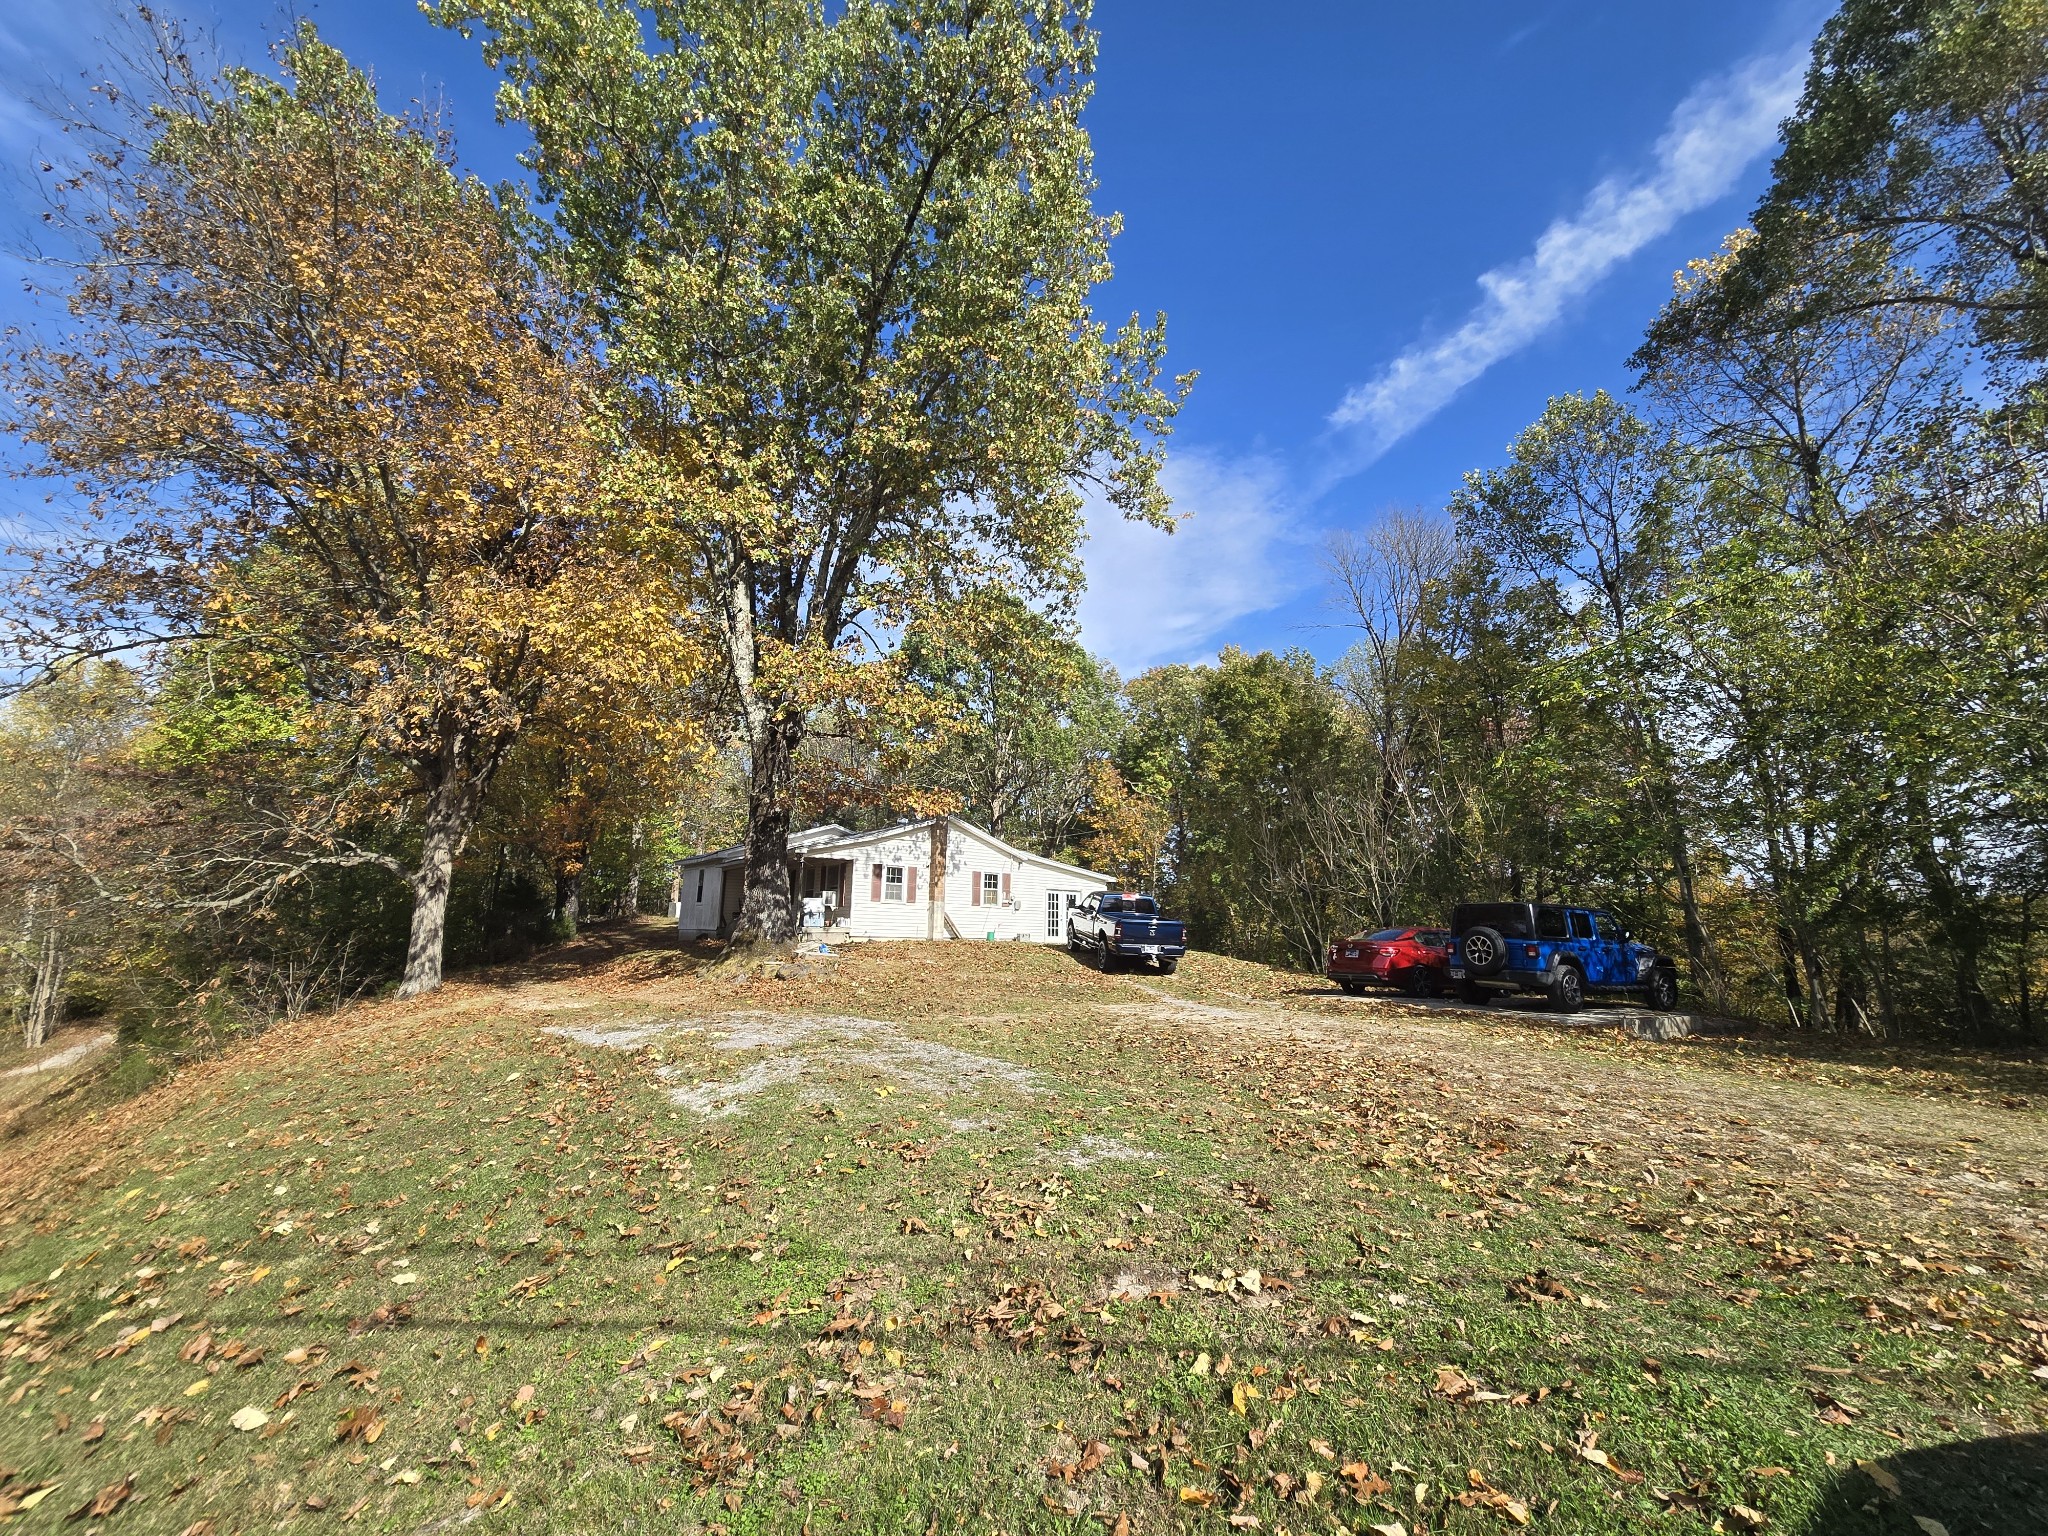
(606,943)
(1996,1487)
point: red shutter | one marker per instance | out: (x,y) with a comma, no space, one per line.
(974,889)
(1006,888)
(878,884)
(910,883)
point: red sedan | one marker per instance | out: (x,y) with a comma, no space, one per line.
(1416,960)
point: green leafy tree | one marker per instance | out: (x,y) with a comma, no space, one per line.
(1031,712)
(1833,449)
(1243,754)
(845,255)
(1582,511)
(1924,126)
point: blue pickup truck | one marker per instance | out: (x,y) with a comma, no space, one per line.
(1562,952)
(1112,927)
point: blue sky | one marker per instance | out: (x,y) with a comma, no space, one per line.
(1384,234)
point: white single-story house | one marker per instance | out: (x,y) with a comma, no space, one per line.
(942,878)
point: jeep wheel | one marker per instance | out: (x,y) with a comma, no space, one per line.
(1568,990)
(1663,990)
(1485,951)
(1473,993)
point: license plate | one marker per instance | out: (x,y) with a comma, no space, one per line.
(1457,973)
(1151,949)
(1350,954)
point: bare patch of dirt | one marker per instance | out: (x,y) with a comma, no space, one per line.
(806,1046)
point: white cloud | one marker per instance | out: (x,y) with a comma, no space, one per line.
(1713,136)
(1155,597)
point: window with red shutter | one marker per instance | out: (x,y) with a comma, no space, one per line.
(910,883)
(878,883)
(974,889)
(1006,888)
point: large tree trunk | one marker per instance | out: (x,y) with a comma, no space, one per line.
(1699,953)
(638,845)
(1958,915)
(451,810)
(2026,964)
(765,914)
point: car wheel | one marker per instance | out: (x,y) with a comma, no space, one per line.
(1354,988)
(1568,990)
(1663,990)
(1416,981)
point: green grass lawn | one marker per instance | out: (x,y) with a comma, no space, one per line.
(969,1238)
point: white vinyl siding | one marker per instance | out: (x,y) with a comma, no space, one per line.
(1035,885)
(900,914)
(703,887)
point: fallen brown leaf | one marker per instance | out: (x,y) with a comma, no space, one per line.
(106,1501)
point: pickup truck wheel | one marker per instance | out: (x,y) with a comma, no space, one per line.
(1567,990)
(1663,990)
(1168,967)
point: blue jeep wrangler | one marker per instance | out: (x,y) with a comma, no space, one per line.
(1562,952)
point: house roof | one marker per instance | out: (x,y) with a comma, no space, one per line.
(799,842)
(832,838)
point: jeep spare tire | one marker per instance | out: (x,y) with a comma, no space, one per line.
(1486,952)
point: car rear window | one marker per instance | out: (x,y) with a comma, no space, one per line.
(1138,906)
(1510,919)
(1388,935)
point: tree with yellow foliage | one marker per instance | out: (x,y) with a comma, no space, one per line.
(345,456)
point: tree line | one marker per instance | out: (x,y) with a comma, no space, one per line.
(1755,655)
(444,561)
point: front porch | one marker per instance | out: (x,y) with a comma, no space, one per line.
(823,888)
